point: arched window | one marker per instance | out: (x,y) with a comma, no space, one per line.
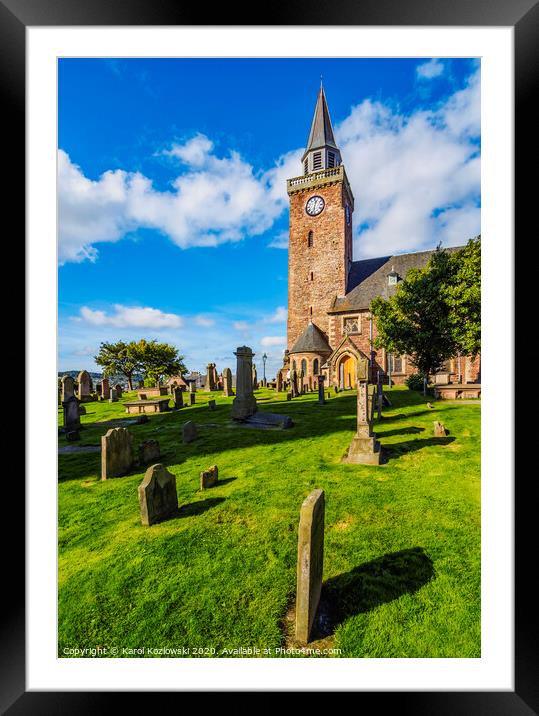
(310,238)
(304,366)
(315,366)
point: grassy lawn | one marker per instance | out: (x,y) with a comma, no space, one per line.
(402,541)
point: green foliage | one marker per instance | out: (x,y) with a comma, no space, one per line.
(120,358)
(415,381)
(159,361)
(155,360)
(435,312)
(222,573)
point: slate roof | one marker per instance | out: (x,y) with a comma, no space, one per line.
(368,279)
(312,340)
(321,134)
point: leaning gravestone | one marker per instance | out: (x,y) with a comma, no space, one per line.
(68,388)
(439,429)
(227,382)
(209,477)
(71,414)
(84,385)
(310,565)
(189,431)
(157,495)
(244,403)
(116,453)
(149,451)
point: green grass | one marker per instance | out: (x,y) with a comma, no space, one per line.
(222,574)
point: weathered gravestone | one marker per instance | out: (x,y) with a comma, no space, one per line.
(116,453)
(105,388)
(118,389)
(149,451)
(209,477)
(211,377)
(71,414)
(255,380)
(294,383)
(192,398)
(177,397)
(310,565)
(84,385)
(113,396)
(157,495)
(439,429)
(244,403)
(227,382)
(192,386)
(301,382)
(189,431)
(364,448)
(321,399)
(279,382)
(68,388)
(212,405)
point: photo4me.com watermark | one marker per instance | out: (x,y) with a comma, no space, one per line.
(186,651)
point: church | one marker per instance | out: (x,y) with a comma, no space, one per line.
(330,326)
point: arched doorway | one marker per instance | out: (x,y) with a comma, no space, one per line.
(347,371)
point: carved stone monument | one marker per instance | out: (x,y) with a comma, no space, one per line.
(244,404)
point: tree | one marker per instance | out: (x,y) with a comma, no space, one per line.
(435,312)
(160,360)
(120,358)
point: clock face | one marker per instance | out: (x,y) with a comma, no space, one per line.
(314,206)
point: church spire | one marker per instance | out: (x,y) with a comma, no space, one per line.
(321,151)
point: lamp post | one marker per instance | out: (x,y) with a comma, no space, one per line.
(264,359)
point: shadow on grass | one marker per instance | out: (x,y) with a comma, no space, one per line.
(369,585)
(399,431)
(197,508)
(397,449)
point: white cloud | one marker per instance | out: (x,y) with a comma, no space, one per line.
(280,241)
(204,322)
(131,317)
(240,325)
(273,341)
(278,316)
(195,152)
(429,70)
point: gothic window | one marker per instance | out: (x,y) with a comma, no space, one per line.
(331,160)
(317,160)
(351,325)
(315,366)
(310,239)
(394,363)
(304,366)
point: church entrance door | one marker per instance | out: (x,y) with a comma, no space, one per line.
(347,371)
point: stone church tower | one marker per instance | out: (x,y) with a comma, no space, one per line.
(320,244)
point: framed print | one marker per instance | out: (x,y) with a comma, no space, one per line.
(270,470)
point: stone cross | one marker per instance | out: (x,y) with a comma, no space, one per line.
(244,404)
(310,565)
(227,382)
(83,380)
(116,453)
(68,388)
(157,495)
(301,386)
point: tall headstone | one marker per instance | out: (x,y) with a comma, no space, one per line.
(68,388)
(310,563)
(244,404)
(177,397)
(227,382)
(157,495)
(71,414)
(83,380)
(192,398)
(118,389)
(279,382)
(364,448)
(113,396)
(321,399)
(294,383)
(192,386)
(116,453)
(211,377)
(301,386)
(255,380)
(105,389)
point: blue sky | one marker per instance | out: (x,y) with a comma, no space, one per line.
(172,199)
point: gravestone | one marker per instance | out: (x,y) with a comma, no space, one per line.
(71,414)
(439,429)
(192,386)
(244,404)
(294,383)
(212,405)
(192,398)
(227,382)
(329,395)
(211,377)
(209,477)
(116,453)
(279,383)
(255,381)
(379,394)
(321,399)
(105,388)
(113,396)
(177,397)
(301,382)
(310,564)
(364,448)
(118,389)
(84,385)
(157,495)
(189,431)
(68,388)
(148,451)
(289,396)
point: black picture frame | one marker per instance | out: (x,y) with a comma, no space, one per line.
(523,16)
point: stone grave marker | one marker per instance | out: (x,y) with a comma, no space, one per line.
(105,388)
(116,453)
(189,431)
(212,405)
(279,382)
(68,388)
(83,380)
(157,495)
(364,448)
(289,396)
(192,398)
(209,477)
(321,399)
(118,389)
(439,429)
(113,396)
(244,404)
(310,564)
(177,397)
(149,451)
(227,382)
(71,414)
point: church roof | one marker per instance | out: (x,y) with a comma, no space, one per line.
(321,134)
(312,340)
(367,279)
